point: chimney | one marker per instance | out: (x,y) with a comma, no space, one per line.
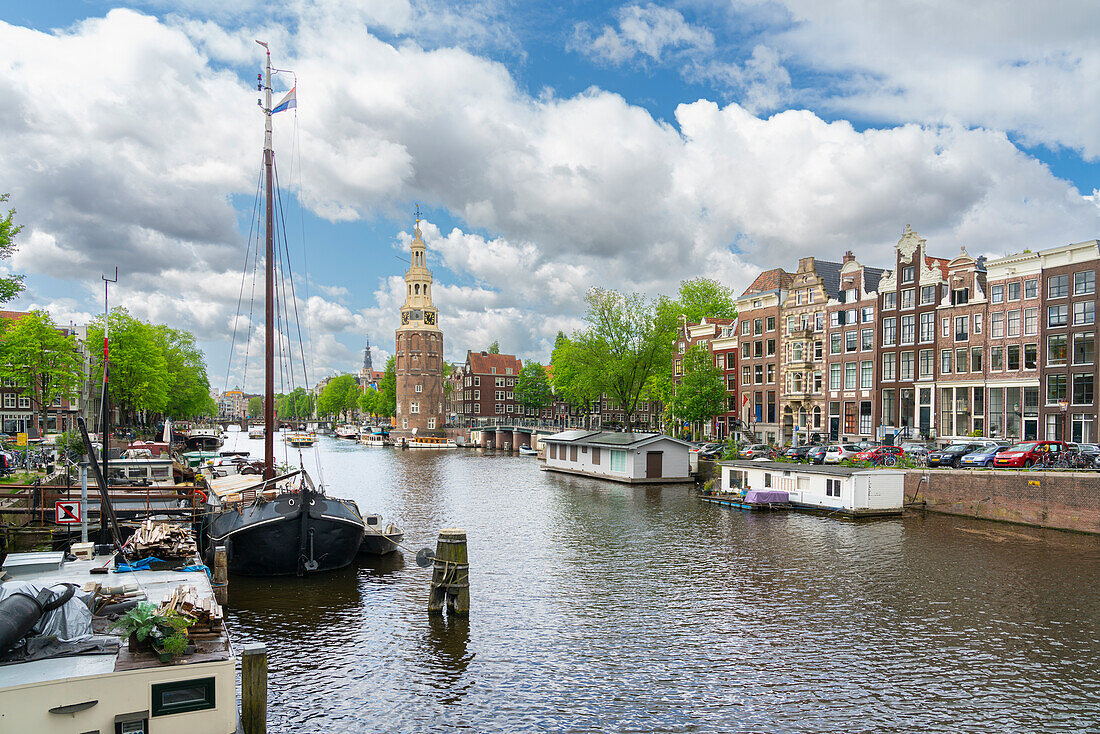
(805,264)
(848,257)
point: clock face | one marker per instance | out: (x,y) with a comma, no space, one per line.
(404,317)
(429,318)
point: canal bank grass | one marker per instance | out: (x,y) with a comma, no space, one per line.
(20,478)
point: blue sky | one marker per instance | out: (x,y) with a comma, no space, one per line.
(551,146)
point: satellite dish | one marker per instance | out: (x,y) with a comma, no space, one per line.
(425,557)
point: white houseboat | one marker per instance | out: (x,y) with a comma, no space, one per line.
(842,490)
(80,676)
(634,458)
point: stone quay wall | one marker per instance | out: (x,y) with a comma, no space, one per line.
(1062,500)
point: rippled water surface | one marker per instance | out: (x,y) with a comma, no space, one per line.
(599,607)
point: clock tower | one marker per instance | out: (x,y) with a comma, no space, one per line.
(419,350)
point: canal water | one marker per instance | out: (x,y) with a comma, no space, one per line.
(604,608)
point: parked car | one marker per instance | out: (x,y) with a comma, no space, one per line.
(797,453)
(915,449)
(756,450)
(952,455)
(840,452)
(712,451)
(816,454)
(878,454)
(1023,455)
(983,456)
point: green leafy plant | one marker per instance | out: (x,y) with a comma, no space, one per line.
(166,631)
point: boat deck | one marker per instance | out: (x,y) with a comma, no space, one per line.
(157,585)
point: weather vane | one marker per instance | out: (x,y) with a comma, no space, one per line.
(417,214)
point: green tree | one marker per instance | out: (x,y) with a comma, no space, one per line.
(627,342)
(188,386)
(532,388)
(700,396)
(41,360)
(369,402)
(701,298)
(387,390)
(494,348)
(340,396)
(10,285)
(139,369)
(256,405)
(575,379)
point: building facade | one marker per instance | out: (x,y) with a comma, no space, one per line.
(719,337)
(759,314)
(418,350)
(486,385)
(852,353)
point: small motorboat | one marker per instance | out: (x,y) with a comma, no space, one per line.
(300,439)
(380,538)
(527,451)
(256,432)
(347,431)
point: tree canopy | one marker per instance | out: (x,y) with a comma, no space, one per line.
(340,396)
(154,369)
(532,389)
(494,348)
(298,403)
(387,390)
(701,298)
(627,342)
(10,285)
(41,360)
(256,407)
(700,396)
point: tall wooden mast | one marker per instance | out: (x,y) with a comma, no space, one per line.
(269,297)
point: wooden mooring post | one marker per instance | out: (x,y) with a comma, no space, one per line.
(254,689)
(220,581)
(451,574)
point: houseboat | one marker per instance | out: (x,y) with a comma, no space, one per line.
(372,439)
(347,431)
(633,458)
(430,442)
(88,678)
(836,490)
(255,431)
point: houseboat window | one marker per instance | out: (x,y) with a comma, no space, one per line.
(832,487)
(618,460)
(179,697)
(767,480)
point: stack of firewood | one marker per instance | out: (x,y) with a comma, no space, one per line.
(206,613)
(163,540)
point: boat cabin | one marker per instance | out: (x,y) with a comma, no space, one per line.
(634,458)
(844,490)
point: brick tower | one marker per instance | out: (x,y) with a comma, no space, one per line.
(419,350)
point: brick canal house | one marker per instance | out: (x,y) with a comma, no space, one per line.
(488,382)
(719,337)
(909,296)
(1068,368)
(852,354)
(419,351)
(759,311)
(802,398)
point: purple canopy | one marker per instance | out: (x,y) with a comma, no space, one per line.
(762,496)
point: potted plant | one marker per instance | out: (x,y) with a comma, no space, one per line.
(148,627)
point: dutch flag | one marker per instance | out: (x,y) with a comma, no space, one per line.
(290,100)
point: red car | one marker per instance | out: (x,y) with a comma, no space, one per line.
(1023,455)
(879,453)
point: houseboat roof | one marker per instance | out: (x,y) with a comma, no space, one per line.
(610,438)
(41,569)
(826,469)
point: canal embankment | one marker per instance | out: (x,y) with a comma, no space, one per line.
(1050,499)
